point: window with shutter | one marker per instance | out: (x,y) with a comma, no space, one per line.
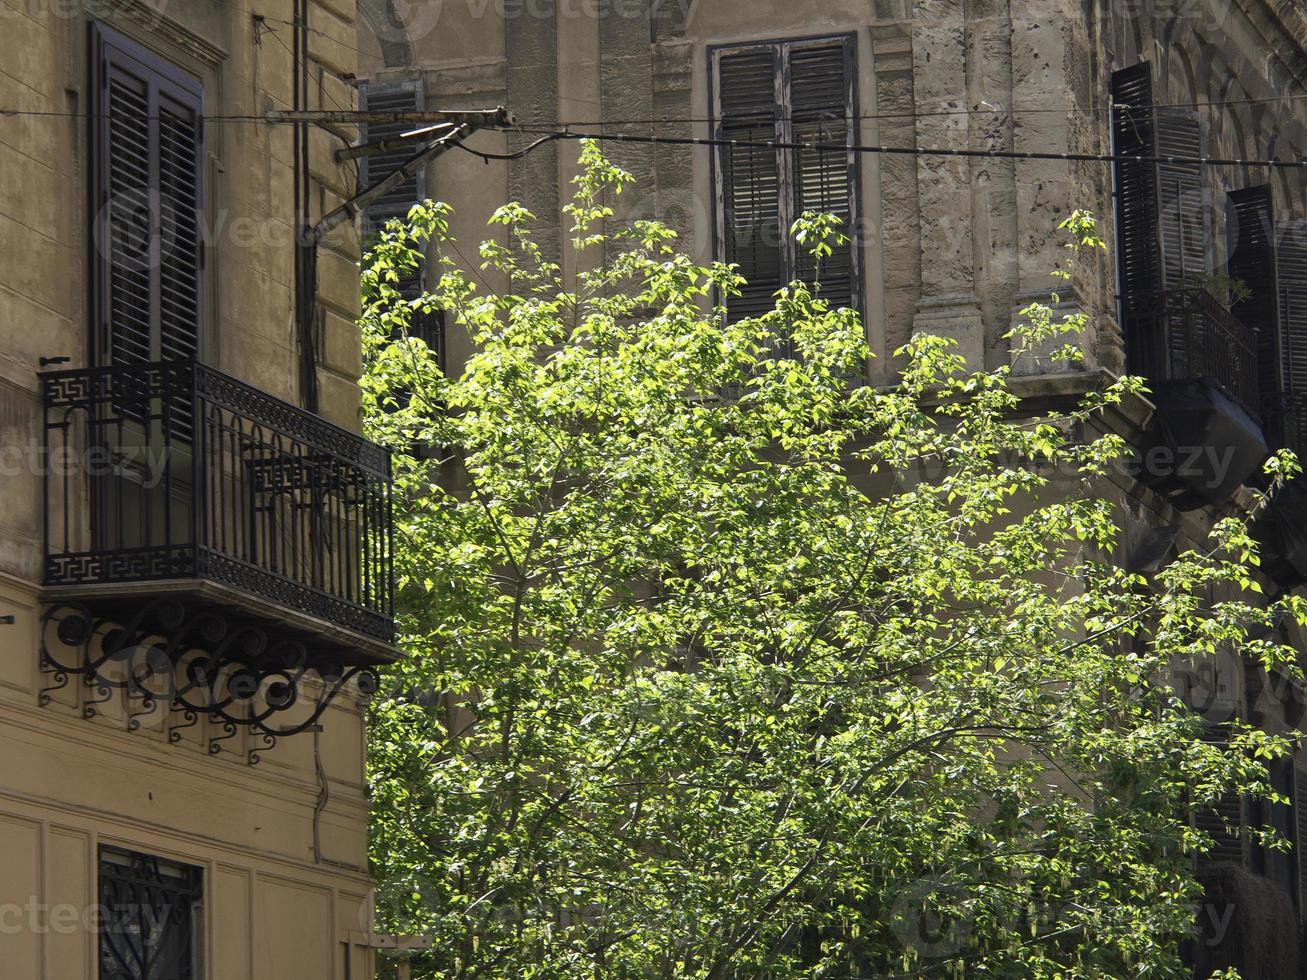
(1291,275)
(1177,324)
(147,140)
(785,92)
(1136,194)
(1224,821)
(396,202)
(1251,234)
(1184,215)
(1163,224)
(1299,825)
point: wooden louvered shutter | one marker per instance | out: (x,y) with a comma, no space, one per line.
(396,202)
(1228,844)
(753,227)
(178,135)
(1299,825)
(1184,220)
(1184,232)
(1291,276)
(1163,225)
(1136,187)
(822,110)
(1251,234)
(147,138)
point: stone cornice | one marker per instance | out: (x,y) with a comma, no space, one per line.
(1285,15)
(156,22)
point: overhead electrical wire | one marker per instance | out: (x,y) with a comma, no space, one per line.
(705,120)
(518,154)
(987,109)
(354,169)
(825,147)
(566,133)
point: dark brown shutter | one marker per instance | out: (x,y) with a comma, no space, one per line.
(749,110)
(1299,825)
(821,79)
(1185,236)
(1291,273)
(1251,233)
(787,92)
(1136,186)
(1164,228)
(1224,821)
(147,139)
(1184,218)
(396,202)
(179,223)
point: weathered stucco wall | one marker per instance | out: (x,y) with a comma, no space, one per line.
(276,906)
(950,245)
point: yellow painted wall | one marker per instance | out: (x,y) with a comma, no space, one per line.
(285,886)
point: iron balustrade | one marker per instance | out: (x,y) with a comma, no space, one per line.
(173,470)
(1185,333)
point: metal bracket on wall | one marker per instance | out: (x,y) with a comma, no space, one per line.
(194,663)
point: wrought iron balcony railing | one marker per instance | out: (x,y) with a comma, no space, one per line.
(1185,334)
(175,471)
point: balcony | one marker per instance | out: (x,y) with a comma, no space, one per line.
(1185,335)
(1206,437)
(174,480)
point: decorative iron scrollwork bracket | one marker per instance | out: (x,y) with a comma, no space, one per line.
(198,665)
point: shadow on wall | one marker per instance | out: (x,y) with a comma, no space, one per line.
(1252,925)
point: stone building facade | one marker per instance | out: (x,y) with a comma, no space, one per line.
(958,242)
(185,577)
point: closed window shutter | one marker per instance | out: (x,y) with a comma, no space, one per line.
(821,111)
(1184,234)
(1224,821)
(787,92)
(1251,232)
(148,137)
(396,202)
(179,220)
(1184,220)
(1136,186)
(1164,228)
(1299,824)
(1291,273)
(749,111)
(1163,224)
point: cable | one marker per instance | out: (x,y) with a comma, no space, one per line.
(669,120)
(915,151)
(311,30)
(511,156)
(993,110)
(216,117)
(354,168)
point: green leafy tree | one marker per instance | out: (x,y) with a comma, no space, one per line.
(724,666)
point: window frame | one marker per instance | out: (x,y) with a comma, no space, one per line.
(367,91)
(428,327)
(189,881)
(782,47)
(183,84)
